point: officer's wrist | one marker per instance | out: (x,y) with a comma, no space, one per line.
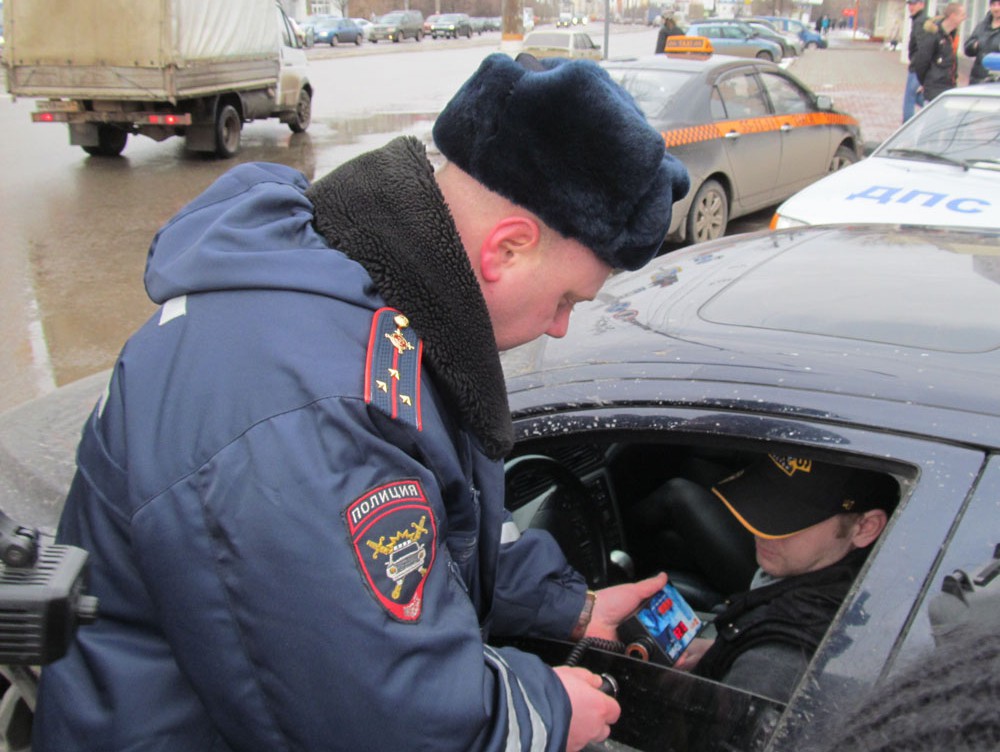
(585,616)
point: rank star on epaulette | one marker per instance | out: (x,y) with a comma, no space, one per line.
(392,370)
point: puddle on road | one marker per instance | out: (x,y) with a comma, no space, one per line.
(71,284)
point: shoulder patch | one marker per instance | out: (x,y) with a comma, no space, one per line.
(395,540)
(392,369)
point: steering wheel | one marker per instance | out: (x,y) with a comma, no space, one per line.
(566,511)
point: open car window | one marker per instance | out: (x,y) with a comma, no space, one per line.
(621,466)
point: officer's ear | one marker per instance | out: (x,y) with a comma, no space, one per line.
(869,527)
(513,240)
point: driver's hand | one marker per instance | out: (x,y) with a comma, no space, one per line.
(593,711)
(693,653)
(615,604)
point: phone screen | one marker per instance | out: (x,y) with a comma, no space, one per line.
(670,621)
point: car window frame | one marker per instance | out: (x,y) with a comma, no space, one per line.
(808,103)
(936,478)
(742,105)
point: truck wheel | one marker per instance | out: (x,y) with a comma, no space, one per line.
(303,113)
(227,132)
(111,142)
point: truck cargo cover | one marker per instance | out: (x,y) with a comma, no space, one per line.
(138,33)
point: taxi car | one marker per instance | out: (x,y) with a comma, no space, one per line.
(571,43)
(749,133)
(865,346)
(941,167)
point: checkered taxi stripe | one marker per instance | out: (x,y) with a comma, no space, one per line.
(710,131)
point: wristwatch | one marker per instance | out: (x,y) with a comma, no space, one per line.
(585,616)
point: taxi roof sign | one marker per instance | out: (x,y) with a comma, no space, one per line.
(679,44)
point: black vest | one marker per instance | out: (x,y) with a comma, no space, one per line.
(795,611)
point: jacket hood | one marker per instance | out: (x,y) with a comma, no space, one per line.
(252,228)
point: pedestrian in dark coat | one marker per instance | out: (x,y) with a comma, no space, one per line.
(913,97)
(936,63)
(670,28)
(985,38)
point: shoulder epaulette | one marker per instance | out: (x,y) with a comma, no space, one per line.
(392,370)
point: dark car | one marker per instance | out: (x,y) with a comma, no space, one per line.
(749,133)
(333,30)
(452,25)
(865,346)
(399,25)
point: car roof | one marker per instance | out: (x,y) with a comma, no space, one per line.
(873,324)
(712,64)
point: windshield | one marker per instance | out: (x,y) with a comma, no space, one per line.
(653,91)
(391,18)
(966,129)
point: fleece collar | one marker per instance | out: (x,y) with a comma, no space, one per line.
(385,211)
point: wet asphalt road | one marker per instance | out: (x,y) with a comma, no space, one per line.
(75,229)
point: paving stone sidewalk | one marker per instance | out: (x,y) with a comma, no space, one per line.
(864,79)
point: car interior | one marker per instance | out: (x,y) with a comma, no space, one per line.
(626,510)
(623,510)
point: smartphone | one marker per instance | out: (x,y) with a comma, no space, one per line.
(662,627)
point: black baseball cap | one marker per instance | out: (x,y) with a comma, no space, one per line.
(779,496)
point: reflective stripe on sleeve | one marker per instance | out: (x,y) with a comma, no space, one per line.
(509,532)
(539,735)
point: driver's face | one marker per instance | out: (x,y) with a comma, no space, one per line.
(815,547)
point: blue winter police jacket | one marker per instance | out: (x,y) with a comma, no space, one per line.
(292,496)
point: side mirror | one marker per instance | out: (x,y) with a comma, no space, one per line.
(823,102)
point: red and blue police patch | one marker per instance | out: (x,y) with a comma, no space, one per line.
(394,535)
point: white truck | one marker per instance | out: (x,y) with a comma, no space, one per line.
(156,68)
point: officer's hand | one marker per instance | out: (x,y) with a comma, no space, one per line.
(593,711)
(615,604)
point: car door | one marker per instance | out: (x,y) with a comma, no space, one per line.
(583,46)
(751,144)
(950,521)
(737,41)
(805,136)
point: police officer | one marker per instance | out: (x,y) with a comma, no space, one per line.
(913,96)
(291,490)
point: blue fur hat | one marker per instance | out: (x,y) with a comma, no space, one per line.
(563,140)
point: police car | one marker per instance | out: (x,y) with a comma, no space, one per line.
(941,168)
(750,133)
